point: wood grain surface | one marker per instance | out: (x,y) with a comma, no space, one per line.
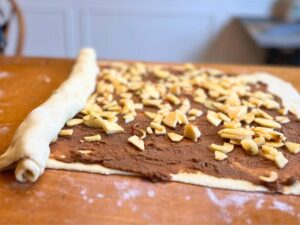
(64,197)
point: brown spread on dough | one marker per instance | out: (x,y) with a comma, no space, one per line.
(163,157)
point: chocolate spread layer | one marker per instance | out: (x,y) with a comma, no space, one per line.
(163,157)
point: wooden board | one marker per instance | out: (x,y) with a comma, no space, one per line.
(64,197)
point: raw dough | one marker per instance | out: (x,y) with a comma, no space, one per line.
(29,149)
(290,99)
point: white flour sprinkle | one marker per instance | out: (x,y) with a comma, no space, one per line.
(282,206)
(151,193)
(99,195)
(187,198)
(237,200)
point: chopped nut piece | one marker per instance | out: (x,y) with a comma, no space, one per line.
(149,130)
(175,137)
(271,104)
(192,118)
(128,118)
(272,177)
(96,137)
(268,134)
(191,132)
(157,126)
(259,141)
(220,156)
(225,148)
(235,142)
(283,111)
(233,100)
(269,152)
(248,118)
(66,132)
(195,112)
(175,89)
(235,112)
(182,119)
(111,127)
(158,118)
(280,160)
(150,115)
(171,119)
(213,118)
(250,146)
(274,144)
(282,119)
(185,107)
(173,99)
(152,102)
(256,101)
(108,127)
(74,122)
(236,133)
(261,113)
(107,114)
(161,132)
(223,117)
(162,74)
(232,124)
(267,123)
(136,141)
(292,147)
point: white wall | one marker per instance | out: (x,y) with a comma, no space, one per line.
(157,30)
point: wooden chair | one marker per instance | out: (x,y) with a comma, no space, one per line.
(16,13)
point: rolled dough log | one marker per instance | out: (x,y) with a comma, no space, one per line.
(29,150)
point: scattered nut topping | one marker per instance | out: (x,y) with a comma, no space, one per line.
(267,123)
(250,146)
(213,118)
(282,119)
(129,117)
(229,100)
(275,144)
(195,112)
(96,137)
(74,122)
(175,137)
(171,119)
(182,119)
(292,147)
(173,99)
(66,132)
(272,177)
(156,126)
(274,155)
(236,133)
(280,160)
(149,130)
(185,106)
(191,132)
(232,124)
(283,111)
(259,141)
(223,117)
(136,141)
(220,155)
(158,118)
(225,148)
(150,115)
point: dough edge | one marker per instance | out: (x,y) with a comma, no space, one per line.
(290,99)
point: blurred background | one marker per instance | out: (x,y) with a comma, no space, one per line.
(235,31)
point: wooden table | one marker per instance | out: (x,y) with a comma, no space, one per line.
(61,197)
